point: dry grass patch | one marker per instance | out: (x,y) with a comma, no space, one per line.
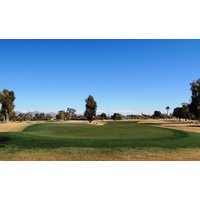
(73,122)
(174,124)
(155,121)
(103,154)
(184,127)
(14,126)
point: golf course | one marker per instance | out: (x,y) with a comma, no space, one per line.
(113,140)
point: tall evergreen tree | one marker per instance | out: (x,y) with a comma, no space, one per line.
(91,107)
(6,99)
(195,99)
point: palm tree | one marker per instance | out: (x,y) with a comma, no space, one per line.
(167,108)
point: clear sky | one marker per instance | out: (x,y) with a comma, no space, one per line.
(126,76)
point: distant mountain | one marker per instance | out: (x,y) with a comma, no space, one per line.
(52,114)
(17,112)
(38,112)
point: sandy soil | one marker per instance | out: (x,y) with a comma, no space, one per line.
(99,123)
(184,127)
(175,124)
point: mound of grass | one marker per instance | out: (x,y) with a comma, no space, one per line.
(112,135)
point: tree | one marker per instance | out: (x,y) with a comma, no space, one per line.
(6,99)
(21,117)
(117,116)
(186,111)
(178,113)
(182,112)
(48,117)
(28,116)
(167,108)
(37,116)
(157,115)
(61,115)
(70,112)
(13,116)
(103,116)
(195,99)
(91,107)
(42,116)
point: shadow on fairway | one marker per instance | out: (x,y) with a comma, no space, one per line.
(4,139)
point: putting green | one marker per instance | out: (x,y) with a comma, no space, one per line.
(108,131)
(112,135)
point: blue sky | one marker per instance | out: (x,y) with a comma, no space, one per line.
(126,76)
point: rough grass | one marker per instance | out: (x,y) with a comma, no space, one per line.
(100,154)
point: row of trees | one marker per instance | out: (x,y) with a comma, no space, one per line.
(89,114)
(7,110)
(29,117)
(62,115)
(187,111)
(190,110)
(183,112)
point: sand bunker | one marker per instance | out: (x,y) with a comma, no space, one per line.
(98,123)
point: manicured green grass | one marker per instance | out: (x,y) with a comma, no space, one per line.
(110,131)
(111,135)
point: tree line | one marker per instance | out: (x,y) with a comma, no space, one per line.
(187,111)
(7,112)
(190,110)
